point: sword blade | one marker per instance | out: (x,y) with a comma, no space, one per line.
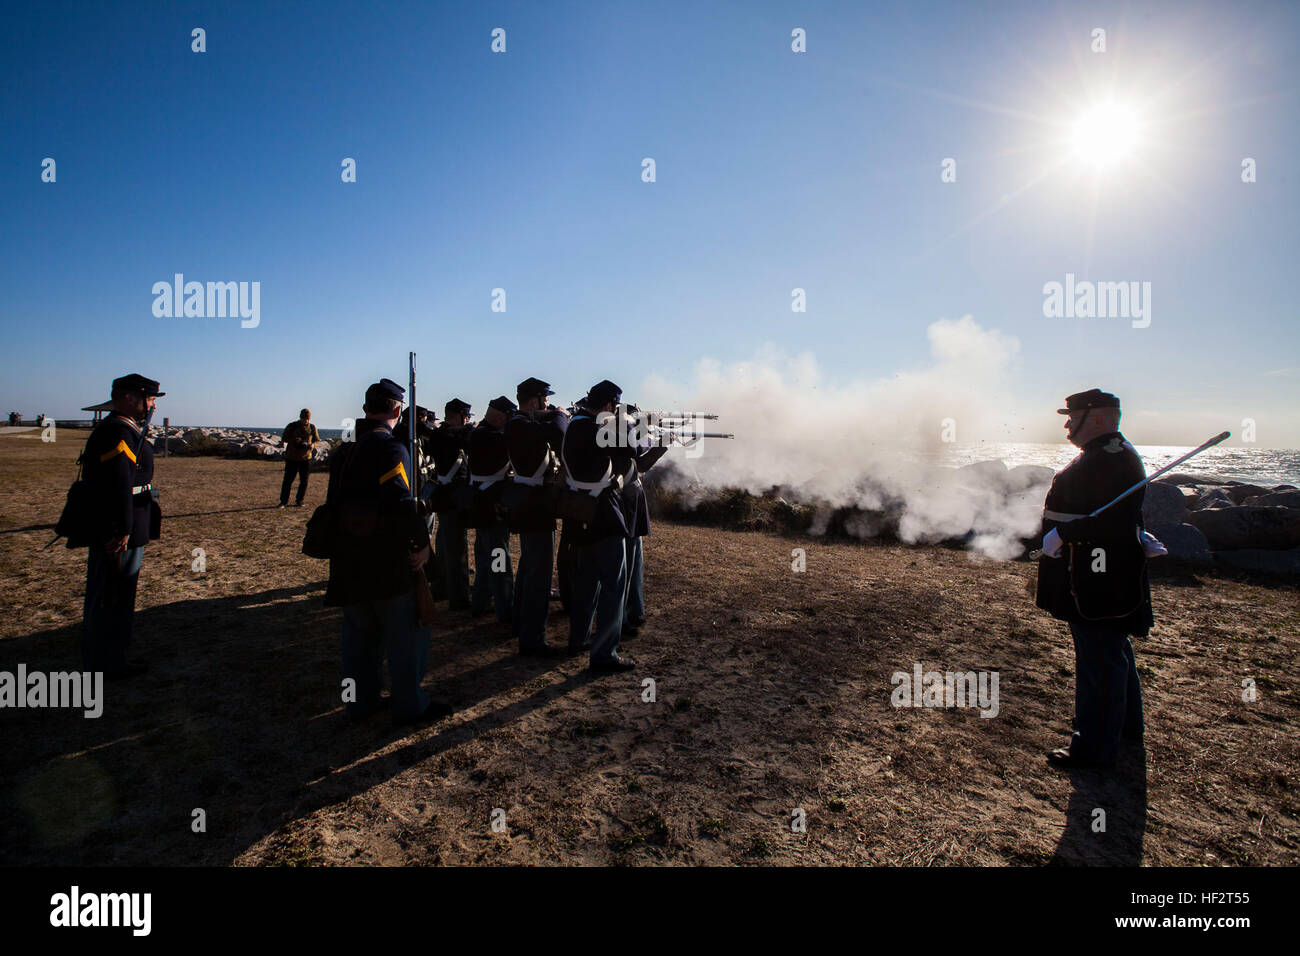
(1154,475)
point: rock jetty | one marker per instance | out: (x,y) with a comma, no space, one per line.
(1244,525)
(1199,518)
(229,443)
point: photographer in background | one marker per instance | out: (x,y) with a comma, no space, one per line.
(299,439)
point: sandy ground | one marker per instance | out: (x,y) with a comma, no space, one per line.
(772,695)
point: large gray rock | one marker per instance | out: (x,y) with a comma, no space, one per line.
(1239,493)
(1257,559)
(1248,526)
(1276,499)
(1186,542)
(1024,477)
(175,446)
(1190,478)
(983,474)
(1214,498)
(1163,507)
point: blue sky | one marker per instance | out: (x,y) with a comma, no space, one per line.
(522,171)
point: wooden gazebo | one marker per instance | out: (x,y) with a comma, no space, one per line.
(99,410)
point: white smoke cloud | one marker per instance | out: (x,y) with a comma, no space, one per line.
(872,445)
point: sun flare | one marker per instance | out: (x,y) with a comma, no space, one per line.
(1104,134)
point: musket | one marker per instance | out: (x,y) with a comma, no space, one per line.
(673,433)
(423,596)
(679,416)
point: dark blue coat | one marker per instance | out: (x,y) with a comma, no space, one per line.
(635,505)
(1068,587)
(446,444)
(370,482)
(487,454)
(112,465)
(586,460)
(530,436)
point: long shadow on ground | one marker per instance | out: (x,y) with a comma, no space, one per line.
(238,715)
(1106,820)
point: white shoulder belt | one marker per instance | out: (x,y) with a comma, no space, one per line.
(536,477)
(483,482)
(455,470)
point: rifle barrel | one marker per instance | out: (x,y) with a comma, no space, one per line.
(678,416)
(674,433)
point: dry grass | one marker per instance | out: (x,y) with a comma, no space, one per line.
(772,694)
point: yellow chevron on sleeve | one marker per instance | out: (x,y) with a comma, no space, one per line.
(122,448)
(397,470)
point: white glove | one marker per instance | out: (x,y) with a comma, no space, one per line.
(1152,545)
(1052,544)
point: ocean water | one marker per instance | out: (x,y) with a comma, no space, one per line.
(1262,466)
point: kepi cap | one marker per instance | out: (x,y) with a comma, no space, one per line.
(502,404)
(602,392)
(456,405)
(533,386)
(1092,398)
(386,388)
(420,411)
(136,382)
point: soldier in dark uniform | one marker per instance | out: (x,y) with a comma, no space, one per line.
(594,465)
(489,467)
(382,541)
(564,553)
(447,447)
(299,439)
(533,438)
(638,526)
(426,422)
(118,464)
(1097,580)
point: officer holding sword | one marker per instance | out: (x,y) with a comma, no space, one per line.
(1092,575)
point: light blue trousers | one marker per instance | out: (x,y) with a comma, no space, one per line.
(373,628)
(109,608)
(599,582)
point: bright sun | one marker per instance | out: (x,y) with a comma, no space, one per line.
(1104,134)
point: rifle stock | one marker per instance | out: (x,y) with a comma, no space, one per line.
(423,598)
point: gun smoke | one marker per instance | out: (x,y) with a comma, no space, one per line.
(870,446)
